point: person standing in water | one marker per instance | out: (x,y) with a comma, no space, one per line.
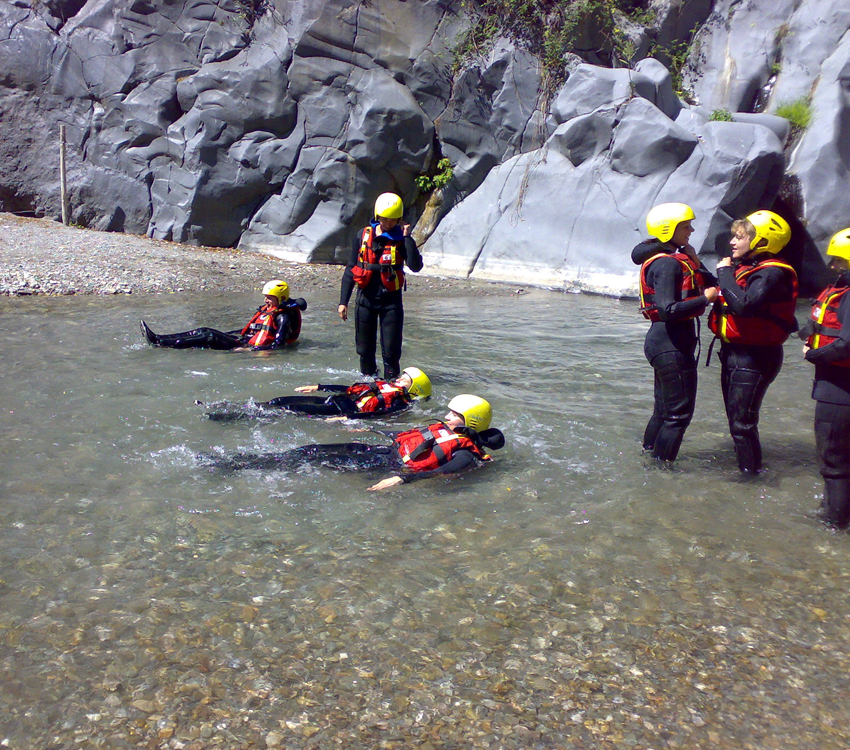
(675,290)
(376,267)
(827,347)
(752,317)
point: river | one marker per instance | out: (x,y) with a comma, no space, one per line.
(572,594)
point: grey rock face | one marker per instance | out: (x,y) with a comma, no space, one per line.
(568,215)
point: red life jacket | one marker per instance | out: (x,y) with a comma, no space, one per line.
(693,284)
(390,264)
(377,396)
(262,328)
(433,447)
(772,326)
(825,325)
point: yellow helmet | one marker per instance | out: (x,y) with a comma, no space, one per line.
(389,206)
(839,245)
(476,412)
(421,385)
(771,228)
(277,288)
(662,220)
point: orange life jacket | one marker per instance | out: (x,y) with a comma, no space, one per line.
(390,264)
(693,284)
(432,447)
(262,328)
(825,325)
(772,326)
(377,396)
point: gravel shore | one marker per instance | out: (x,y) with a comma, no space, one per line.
(40,256)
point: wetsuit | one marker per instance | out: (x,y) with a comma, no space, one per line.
(375,304)
(341,403)
(363,457)
(670,347)
(748,369)
(287,324)
(832,414)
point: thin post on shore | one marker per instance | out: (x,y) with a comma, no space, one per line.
(63,178)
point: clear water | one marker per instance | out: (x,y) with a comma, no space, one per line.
(570,593)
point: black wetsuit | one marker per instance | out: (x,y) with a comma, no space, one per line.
(211,338)
(670,347)
(832,416)
(375,304)
(357,457)
(336,405)
(747,370)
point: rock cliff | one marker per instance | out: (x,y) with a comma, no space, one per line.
(271,125)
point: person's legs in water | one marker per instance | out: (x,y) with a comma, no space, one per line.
(832,434)
(366,334)
(392,329)
(676,378)
(339,456)
(198,338)
(743,392)
(319,406)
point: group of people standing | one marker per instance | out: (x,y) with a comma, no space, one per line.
(752,298)
(377,269)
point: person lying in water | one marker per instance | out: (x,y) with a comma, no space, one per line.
(276,324)
(457,444)
(375,398)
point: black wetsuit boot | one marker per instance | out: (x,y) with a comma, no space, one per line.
(198,338)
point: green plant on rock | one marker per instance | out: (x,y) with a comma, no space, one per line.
(427,183)
(721,115)
(797,112)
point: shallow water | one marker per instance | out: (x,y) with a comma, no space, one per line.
(570,595)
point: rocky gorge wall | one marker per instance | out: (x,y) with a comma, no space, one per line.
(271,125)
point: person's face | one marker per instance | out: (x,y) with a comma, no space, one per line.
(271,300)
(740,244)
(682,234)
(839,264)
(387,224)
(454,420)
(403,381)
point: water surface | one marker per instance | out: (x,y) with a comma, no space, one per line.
(572,594)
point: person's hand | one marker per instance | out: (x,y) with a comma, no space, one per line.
(241,349)
(335,419)
(691,253)
(405,230)
(385,484)
(806,348)
(306,388)
(725,262)
(343,311)
(711,293)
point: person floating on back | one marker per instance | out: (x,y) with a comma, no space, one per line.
(376,398)
(276,323)
(752,317)
(459,443)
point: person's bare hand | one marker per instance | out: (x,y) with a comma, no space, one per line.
(343,311)
(711,293)
(385,484)
(307,388)
(725,262)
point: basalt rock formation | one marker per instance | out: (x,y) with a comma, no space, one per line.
(272,125)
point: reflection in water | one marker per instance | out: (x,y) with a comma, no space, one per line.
(572,594)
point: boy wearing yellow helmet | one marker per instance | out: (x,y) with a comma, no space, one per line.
(752,317)
(376,267)
(827,347)
(457,444)
(376,398)
(276,323)
(675,289)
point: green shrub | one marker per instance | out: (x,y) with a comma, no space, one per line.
(720,115)
(798,113)
(443,177)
